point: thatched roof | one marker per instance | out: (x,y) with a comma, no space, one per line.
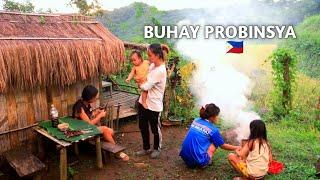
(54,50)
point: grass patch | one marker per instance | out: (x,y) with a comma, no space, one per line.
(295,140)
(295,145)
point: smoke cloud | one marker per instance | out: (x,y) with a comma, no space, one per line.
(215,80)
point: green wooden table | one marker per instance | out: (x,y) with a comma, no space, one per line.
(45,130)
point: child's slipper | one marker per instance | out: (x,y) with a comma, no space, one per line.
(123,156)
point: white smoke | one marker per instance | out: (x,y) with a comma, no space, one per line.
(216,81)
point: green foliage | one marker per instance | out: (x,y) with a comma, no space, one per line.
(42,19)
(71,172)
(27,6)
(153,10)
(139,14)
(304,103)
(284,72)
(120,77)
(295,145)
(89,9)
(135,17)
(307,44)
(182,104)
(156,22)
(185,107)
(124,27)
(305,100)
(317,124)
(138,9)
(43,11)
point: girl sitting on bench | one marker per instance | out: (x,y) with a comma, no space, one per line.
(82,110)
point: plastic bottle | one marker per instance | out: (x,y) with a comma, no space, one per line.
(54,116)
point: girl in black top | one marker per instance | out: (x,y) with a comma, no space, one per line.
(82,110)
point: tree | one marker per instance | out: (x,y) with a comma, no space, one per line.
(88,9)
(283,62)
(27,6)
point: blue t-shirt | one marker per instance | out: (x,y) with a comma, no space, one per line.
(200,136)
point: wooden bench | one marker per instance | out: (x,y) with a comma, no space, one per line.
(108,148)
(24,163)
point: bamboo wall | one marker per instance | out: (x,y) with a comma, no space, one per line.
(21,109)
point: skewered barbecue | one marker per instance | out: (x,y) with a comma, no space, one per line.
(70,133)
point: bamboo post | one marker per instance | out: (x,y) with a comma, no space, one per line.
(118,114)
(98,152)
(37,176)
(286,76)
(63,164)
(109,120)
(168,93)
(41,151)
(111,117)
(318,108)
(76,149)
(104,157)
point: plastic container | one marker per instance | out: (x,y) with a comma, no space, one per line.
(54,116)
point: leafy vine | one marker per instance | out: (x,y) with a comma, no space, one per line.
(283,62)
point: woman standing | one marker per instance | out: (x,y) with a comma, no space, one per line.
(155,85)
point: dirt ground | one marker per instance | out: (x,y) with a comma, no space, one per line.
(169,166)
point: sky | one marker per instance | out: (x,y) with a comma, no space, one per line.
(61,6)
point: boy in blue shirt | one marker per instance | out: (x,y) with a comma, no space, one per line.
(203,138)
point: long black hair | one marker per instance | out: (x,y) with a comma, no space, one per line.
(209,110)
(258,131)
(89,92)
(159,50)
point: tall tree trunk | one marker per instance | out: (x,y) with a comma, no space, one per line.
(170,88)
(286,92)
(318,110)
(166,103)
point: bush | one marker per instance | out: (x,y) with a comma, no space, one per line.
(284,71)
(307,44)
(305,99)
(185,100)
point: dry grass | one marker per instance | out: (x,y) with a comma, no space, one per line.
(26,64)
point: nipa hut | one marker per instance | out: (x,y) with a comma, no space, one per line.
(47,59)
